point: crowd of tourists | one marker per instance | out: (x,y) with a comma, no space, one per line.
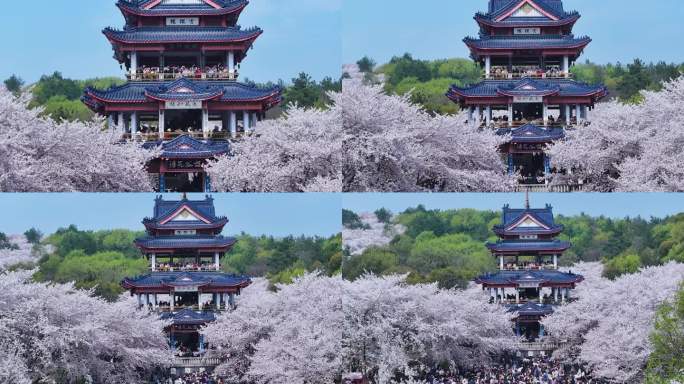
(194,378)
(170,267)
(525,71)
(177,72)
(525,371)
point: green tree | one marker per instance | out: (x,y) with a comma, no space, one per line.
(366,64)
(373,260)
(351,220)
(14,84)
(666,362)
(383,215)
(5,242)
(33,236)
(621,265)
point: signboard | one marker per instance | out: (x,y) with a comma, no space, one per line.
(527,31)
(187,288)
(185,164)
(528,99)
(184,104)
(528,284)
(182,21)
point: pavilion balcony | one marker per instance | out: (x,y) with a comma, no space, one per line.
(502,73)
(503,123)
(530,267)
(168,74)
(208,267)
(510,300)
(196,308)
(154,136)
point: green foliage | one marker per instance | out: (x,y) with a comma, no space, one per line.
(33,236)
(447,246)
(626,82)
(666,362)
(101,259)
(14,84)
(306,92)
(624,264)
(428,81)
(6,244)
(383,215)
(366,64)
(60,97)
(351,220)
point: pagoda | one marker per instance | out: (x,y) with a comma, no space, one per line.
(185,284)
(529,282)
(182,59)
(526,48)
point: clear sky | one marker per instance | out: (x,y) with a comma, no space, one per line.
(615,205)
(44,36)
(270,214)
(433,29)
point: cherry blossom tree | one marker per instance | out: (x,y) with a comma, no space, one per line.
(391,326)
(42,155)
(390,144)
(299,152)
(608,326)
(628,147)
(379,234)
(55,333)
(289,336)
(23,255)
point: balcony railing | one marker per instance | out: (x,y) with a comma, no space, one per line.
(196,308)
(519,123)
(530,267)
(154,136)
(156,75)
(534,75)
(184,268)
(195,362)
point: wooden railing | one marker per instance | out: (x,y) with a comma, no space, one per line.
(503,76)
(174,75)
(154,136)
(196,308)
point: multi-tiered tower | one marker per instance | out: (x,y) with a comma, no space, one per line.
(182,59)
(528,280)
(526,48)
(185,283)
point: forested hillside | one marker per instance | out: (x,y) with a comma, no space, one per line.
(449,246)
(101,259)
(61,97)
(428,80)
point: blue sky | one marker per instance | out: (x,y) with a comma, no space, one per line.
(432,29)
(271,214)
(616,205)
(44,36)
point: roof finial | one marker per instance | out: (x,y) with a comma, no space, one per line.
(185,196)
(527,198)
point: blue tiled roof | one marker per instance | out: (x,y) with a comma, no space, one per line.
(186,147)
(512,215)
(528,246)
(179,279)
(189,317)
(164,208)
(530,133)
(542,277)
(226,6)
(184,89)
(531,309)
(185,242)
(144,35)
(527,42)
(493,88)
(500,7)
(137,92)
